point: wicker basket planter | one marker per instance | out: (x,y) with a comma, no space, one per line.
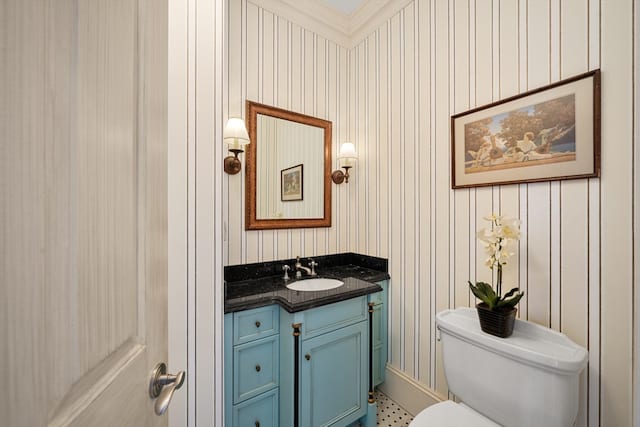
(497,322)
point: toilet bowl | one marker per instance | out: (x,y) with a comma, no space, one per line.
(448,414)
(530,379)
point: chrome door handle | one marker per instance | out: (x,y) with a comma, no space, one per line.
(162,386)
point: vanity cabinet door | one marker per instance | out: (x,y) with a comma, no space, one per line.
(334,377)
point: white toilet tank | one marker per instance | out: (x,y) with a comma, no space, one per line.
(528,379)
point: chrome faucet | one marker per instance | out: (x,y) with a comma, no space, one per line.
(299,267)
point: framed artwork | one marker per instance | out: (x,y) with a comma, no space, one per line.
(291,183)
(546,134)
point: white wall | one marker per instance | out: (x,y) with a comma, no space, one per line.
(393,95)
(277,62)
(197,48)
(434,59)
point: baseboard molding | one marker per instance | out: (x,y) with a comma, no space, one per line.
(407,392)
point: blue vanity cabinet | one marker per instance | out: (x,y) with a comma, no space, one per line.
(310,368)
(379,338)
(252,369)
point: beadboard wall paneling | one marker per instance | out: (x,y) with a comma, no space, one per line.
(433,59)
(616,197)
(392,94)
(277,62)
(206,87)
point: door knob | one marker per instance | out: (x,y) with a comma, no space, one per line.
(162,386)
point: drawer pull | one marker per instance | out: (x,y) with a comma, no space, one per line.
(257,326)
(257,424)
(307,356)
(258,368)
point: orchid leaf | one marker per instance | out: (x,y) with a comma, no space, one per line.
(510,293)
(511,302)
(484,292)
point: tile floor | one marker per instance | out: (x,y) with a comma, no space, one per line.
(390,414)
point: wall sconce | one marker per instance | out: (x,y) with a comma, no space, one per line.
(348,154)
(236,137)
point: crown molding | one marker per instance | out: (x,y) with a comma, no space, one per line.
(347,31)
(311,15)
(371,15)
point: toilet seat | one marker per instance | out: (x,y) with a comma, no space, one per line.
(450,414)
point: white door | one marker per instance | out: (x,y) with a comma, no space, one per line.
(83,261)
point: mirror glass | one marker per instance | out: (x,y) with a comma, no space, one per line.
(288,169)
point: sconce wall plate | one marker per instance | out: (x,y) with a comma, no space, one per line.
(232,164)
(338,177)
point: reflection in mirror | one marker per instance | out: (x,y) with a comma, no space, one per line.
(284,190)
(288,168)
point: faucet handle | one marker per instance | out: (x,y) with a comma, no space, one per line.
(286,269)
(313,266)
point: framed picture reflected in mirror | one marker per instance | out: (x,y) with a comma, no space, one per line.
(291,183)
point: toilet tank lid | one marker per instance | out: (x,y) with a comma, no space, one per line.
(530,343)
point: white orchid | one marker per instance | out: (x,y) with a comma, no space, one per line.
(498,240)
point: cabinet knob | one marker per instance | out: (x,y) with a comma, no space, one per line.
(257,424)
(307,356)
(258,368)
(257,326)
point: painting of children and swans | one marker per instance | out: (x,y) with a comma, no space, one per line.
(545,134)
(542,133)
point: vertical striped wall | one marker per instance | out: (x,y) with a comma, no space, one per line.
(392,94)
(434,59)
(277,62)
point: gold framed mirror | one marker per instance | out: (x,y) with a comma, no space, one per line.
(288,169)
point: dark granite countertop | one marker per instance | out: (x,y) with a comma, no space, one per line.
(248,291)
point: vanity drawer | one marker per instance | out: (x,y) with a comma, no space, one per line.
(320,320)
(260,322)
(261,411)
(255,368)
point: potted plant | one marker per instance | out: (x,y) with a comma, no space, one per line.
(497,312)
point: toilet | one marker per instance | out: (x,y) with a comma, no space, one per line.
(530,379)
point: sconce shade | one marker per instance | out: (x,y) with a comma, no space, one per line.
(347,151)
(235,134)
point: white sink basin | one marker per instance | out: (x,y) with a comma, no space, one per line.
(320,284)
